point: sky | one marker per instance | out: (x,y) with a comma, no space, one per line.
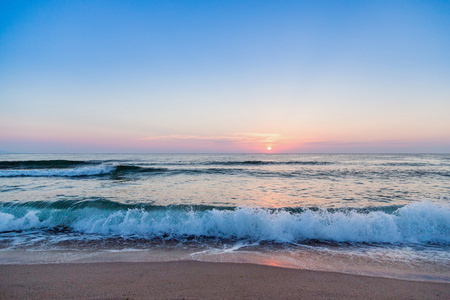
(224,76)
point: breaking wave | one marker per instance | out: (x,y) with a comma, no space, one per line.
(73,172)
(421,222)
(74,168)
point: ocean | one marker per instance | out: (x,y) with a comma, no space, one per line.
(372,214)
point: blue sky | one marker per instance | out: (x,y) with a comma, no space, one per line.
(224,76)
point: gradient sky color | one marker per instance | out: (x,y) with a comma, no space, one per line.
(224,76)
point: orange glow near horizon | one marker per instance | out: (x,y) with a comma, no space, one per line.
(63,139)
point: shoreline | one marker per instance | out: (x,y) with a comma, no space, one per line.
(321,262)
(201,280)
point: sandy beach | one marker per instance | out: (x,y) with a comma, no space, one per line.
(200,280)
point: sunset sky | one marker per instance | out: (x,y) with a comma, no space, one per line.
(224,76)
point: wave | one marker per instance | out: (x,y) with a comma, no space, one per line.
(125,170)
(106,204)
(120,169)
(73,172)
(241,163)
(266,162)
(116,170)
(76,168)
(421,222)
(43,164)
(61,164)
(406,164)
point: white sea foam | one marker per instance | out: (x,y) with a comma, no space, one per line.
(29,221)
(421,222)
(73,172)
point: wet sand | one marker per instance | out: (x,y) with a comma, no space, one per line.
(200,280)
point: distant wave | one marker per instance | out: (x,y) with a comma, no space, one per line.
(61,164)
(129,170)
(421,222)
(266,162)
(117,170)
(43,164)
(405,164)
(73,172)
(243,163)
(74,168)
(121,169)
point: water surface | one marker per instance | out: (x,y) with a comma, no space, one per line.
(371,214)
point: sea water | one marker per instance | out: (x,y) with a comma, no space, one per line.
(373,214)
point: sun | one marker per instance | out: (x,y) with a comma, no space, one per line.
(269,148)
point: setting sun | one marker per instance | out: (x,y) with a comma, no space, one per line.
(269,148)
